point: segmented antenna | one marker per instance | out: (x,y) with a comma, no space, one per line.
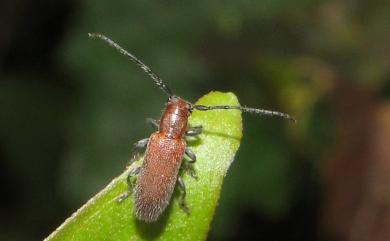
(160,83)
(245,109)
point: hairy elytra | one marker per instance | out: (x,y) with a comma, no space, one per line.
(164,153)
(165,148)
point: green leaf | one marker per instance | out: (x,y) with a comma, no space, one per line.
(103,218)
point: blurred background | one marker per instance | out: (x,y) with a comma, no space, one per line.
(71,108)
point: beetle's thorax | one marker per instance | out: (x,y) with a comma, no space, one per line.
(174,120)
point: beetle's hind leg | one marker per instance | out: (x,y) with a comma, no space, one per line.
(182,201)
(133,172)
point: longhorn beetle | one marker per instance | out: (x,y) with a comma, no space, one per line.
(165,148)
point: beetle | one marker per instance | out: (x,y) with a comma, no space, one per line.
(165,148)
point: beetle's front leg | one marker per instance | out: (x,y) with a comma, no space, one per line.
(194,131)
(154,123)
(136,150)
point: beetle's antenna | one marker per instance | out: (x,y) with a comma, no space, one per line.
(245,109)
(143,66)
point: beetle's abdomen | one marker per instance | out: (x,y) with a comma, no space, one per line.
(157,177)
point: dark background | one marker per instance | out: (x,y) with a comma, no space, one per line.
(71,108)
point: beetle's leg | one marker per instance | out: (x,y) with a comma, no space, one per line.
(189,168)
(133,172)
(190,154)
(182,201)
(154,123)
(136,147)
(187,165)
(141,143)
(194,131)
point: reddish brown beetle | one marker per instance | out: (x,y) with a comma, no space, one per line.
(165,148)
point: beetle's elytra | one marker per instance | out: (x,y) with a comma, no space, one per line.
(165,148)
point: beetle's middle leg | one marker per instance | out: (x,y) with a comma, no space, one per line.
(133,172)
(187,165)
